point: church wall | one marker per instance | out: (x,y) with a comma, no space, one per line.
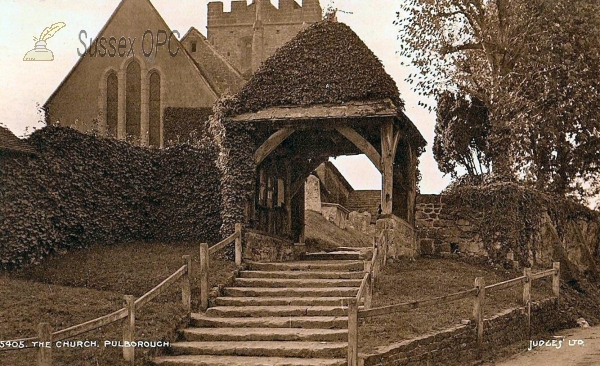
(81,97)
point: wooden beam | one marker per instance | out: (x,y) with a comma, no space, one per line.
(362,143)
(271,144)
(387,167)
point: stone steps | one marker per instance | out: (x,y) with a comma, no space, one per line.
(279,301)
(317,322)
(302,274)
(277,311)
(332,265)
(264,334)
(339,255)
(208,360)
(276,314)
(292,292)
(263,349)
(296,282)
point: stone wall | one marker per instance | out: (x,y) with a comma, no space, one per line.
(440,232)
(400,236)
(458,345)
(260,247)
(443,229)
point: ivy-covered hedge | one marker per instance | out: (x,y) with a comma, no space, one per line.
(185,125)
(82,190)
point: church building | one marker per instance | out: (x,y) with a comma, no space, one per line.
(137,70)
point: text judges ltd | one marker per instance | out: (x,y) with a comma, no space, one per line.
(124,46)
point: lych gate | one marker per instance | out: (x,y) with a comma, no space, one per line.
(312,120)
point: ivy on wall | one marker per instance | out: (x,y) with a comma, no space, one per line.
(509,216)
(81,190)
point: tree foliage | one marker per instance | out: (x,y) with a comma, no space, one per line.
(460,135)
(533,63)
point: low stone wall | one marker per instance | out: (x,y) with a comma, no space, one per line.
(335,213)
(458,345)
(400,235)
(261,247)
(440,233)
(443,228)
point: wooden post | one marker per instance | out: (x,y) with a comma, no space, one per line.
(204,276)
(527,297)
(527,286)
(129,329)
(387,167)
(352,332)
(556,280)
(238,244)
(44,357)
(186,291)
(369,288)
(478,313)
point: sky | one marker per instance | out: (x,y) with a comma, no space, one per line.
(25,85)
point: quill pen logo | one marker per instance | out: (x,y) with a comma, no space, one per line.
(40,52)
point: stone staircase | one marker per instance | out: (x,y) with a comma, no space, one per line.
(276,314)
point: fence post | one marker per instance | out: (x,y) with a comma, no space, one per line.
(556,281)
(238,244)
(478,313)
(369,288)
(45,353)
(352,332)
(204,276)
(527,297)
(527,286)
(186,292)
(129,329)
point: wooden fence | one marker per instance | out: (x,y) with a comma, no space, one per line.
(478,292)
(205,252)
(365,293)
(46,336)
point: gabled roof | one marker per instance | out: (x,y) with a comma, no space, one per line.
(102,31)
(213,66)
(10,142)
(326,63)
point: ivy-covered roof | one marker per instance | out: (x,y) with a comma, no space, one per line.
(326,63)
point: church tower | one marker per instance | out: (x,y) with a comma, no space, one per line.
(249,34)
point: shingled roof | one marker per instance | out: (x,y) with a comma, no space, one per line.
(10,142)
(326,63)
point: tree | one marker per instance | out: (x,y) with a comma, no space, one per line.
(534,64)
(461,133)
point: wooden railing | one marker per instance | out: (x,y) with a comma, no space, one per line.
(43,342)
(479,292)
(46,336)
(205,252)
(365,293)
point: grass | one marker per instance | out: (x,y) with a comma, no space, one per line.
(78,286)
(322,235)
(424,278)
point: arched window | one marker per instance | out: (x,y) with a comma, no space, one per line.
(154,106)
(112,104)
(133,98)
